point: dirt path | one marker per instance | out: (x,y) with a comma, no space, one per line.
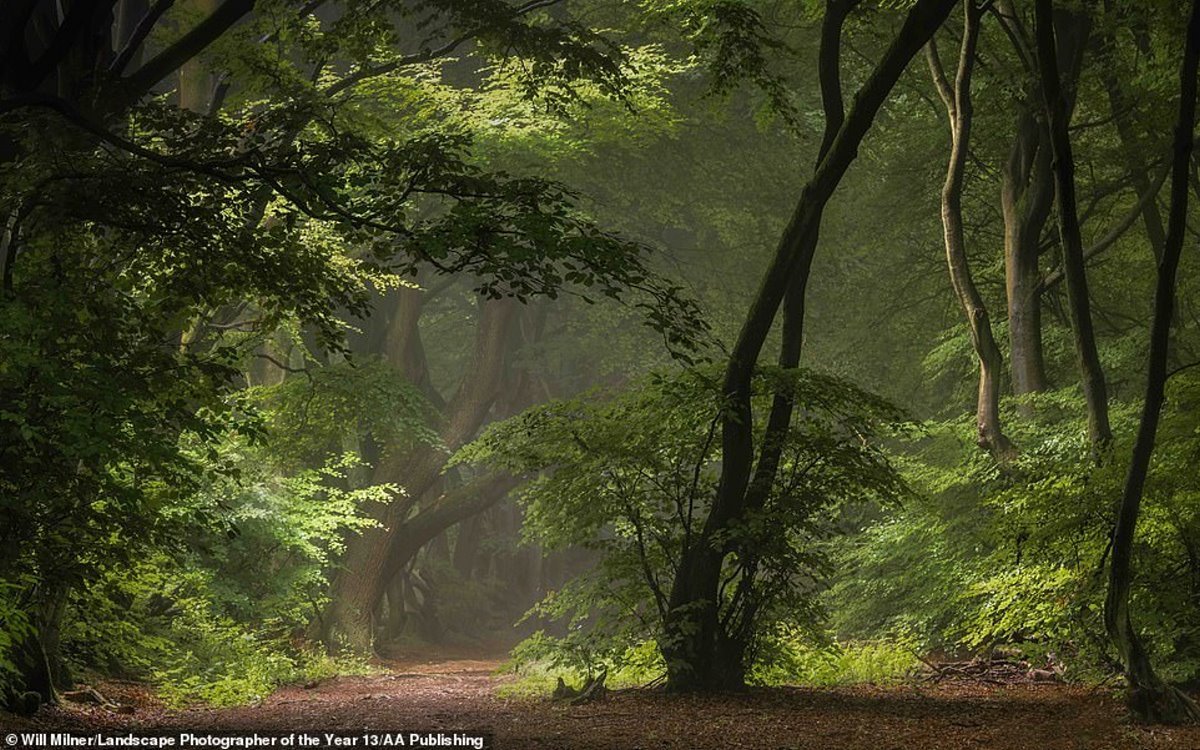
(461,695)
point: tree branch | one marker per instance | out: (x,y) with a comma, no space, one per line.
(144,27)
(1114,234)
(191,44)
(363,74)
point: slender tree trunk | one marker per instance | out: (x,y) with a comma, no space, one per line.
(1149,697)
(1078,299)
(957,99)
(792,340)
(730,651)
(691,629)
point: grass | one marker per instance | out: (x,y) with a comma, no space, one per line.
(796,663)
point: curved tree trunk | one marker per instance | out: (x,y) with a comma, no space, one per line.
(731,642)
(691,629)
(1149,697)
(365,568)
(1078,299)
(453,507)
(957,99)
(783,404)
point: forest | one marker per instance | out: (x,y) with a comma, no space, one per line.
(602,373)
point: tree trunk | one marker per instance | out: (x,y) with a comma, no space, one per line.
(730,651)
(364,568)
(792,340)
(690,639)
(1149,697)
(1078,299)
(957,99)
(1026,195)
(38,657)
(455,506)
(128,14)
(195,82)
(35,683)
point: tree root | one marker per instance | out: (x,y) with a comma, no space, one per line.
(593,689)
(1162,704)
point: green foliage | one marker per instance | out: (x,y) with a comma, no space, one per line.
(795,660)
(989,555)
(735,45)
(155,260)
(14,627)
(339,404)
(222,620)
(540,660)
(148,250)
(632,475)
(788,657)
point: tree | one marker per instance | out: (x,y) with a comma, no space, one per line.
(1149,697)
(633,474)
(957,100)
(1090,373)
(147,246)
(696,658)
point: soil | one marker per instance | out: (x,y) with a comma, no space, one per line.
(460,694)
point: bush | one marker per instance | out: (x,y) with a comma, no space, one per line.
(221,620)
(989,555)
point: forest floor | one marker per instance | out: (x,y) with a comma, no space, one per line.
(461,695)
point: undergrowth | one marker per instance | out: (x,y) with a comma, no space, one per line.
(793,662)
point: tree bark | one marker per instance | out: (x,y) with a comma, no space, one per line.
(365,567)
(1149,697)
(957,99)
(783,404)
(1074,269)
(731,648)
(1026,195)
(691,628)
